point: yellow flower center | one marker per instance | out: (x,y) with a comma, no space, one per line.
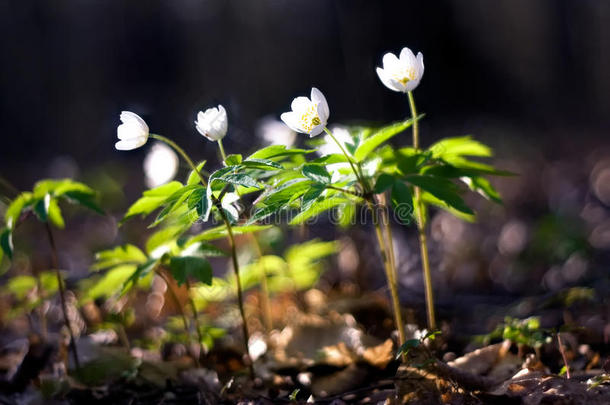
(309,118)
(405,75)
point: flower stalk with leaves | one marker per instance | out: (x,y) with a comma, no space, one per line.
(43,201)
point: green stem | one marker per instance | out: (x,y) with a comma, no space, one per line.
(62,296)
(421,226)
(389,271)
(183,154)
(386,255)
(349,159)
(231,242)
(195,320)
(222,150)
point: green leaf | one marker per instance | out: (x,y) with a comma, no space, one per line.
(346,213)
(330,159)
(379,137)
(317,208)
(191,266)
(316,172)
(174,202)
(41,207)
(430,199)
(449,148)
(152,199)
(262,164)
(126,254)
(140,272)
(240,179)
(164,237)
(443,189)
(286,192)
(6,242)
(84,199)
(194,177)
(110,283)
(54,214)
(311,195)
(220,232)
(483,187)
(407,346)
(203,249)
(233,160)
(275,151)
(384,182)
(402,200)
(14,210)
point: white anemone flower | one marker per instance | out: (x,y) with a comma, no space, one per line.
(212,123)
(160,165)
(330,146)
(132,133)
(402,73)
(274,132)
(308,115)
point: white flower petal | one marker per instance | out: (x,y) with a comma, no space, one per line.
(389,60)
(387,81)
(212,123)
(420,65)
(317,130)
(318,98)
(291,119)
(411,85)
(407,58)
(300,103)
(130,144)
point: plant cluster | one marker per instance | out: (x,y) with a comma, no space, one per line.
(360,177)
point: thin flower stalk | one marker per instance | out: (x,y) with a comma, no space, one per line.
(421,226)
(62,296)
(232,244)
(385,246)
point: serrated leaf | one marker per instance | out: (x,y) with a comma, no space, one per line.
(152,199)
(311,195)
(109,284)
(14,210)
(84,199)
(126,254)
(430,199)
(221,232)
(459,146)
(380,136)
(402,200)
(183,267)
(240,179)
(482,186)
(41,207)
(203,249)
(316,172)
(140,272)
(193,176)
(261,164)
(331,159)
(173,202)
(384,182)
(345,214)
(54,214)
(275,151)
(163,237)
(233,160)
(6,242)
(317,208)
(287,191)
(443,189)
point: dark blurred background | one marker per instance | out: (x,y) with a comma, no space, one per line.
(534,71)
(530,78)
